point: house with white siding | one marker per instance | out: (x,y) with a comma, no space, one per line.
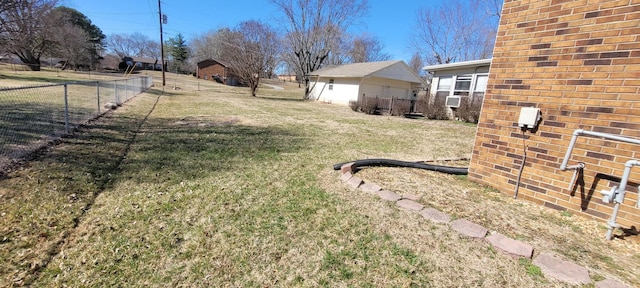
(457,80)
(353,82)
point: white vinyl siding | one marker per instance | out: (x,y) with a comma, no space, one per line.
(335,90)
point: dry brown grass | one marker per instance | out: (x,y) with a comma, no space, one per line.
(14,76)
(573,238)
(220,189)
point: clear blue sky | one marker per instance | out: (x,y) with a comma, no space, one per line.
(389,20)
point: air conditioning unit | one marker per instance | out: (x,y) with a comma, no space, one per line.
(453,101)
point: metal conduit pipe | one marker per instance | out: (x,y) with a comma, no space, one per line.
(579,132)
(618,196)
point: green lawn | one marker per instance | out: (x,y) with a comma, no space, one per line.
(216,188)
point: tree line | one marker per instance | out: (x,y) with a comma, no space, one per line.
(32,29)
(308,35)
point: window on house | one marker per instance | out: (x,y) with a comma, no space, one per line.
(481,83)
(463,85)
(444,83)
(330,84)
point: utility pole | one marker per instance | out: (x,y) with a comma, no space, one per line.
(164,80)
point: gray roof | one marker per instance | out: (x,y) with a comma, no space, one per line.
(384,69)
(145,60)
(456,65)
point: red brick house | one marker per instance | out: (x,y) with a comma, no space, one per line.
(215,70)
(578,62)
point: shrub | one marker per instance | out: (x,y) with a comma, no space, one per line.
(354,105)
(400,107)
(437,109)
(469,111)
(422,104)
(370,105)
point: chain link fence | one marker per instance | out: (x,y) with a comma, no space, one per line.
(31,117)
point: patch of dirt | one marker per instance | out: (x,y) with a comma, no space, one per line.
(206,121)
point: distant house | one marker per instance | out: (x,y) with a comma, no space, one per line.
(287,77)
(355,82)
(142,63)
(453,82)
(215,70)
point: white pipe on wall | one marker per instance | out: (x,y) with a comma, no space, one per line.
(618,193)
(619,196)
(579,132)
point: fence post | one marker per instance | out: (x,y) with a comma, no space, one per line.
(98,93)
(66,111)
(126,89)
(115,91)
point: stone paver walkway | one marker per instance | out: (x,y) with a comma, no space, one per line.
(551,266)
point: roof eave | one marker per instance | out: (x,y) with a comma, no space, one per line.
(457,65)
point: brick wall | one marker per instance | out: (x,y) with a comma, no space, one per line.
(210,68)
(579,62)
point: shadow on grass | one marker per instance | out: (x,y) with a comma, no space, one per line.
(277,98)
(34,78)
(55,190)
(169,151)
(164,150)
(26,126)
(158,91)
(63,183)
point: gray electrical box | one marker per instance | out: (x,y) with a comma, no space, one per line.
(529,117)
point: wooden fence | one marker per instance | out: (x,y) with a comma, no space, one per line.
(393,106)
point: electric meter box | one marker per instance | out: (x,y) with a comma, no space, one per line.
(529,117)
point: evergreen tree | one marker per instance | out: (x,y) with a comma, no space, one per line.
(179,53)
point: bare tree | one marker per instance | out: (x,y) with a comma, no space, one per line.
(120,44)
(312,27)
(416,63)
(26,30)
(6,5)
(367,48)
(209,45)
(339,49)
(455,31)
(250,47)
(495,7)
(74,45)
(135,44)
(78,40)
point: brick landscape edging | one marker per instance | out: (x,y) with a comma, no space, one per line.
(561,270)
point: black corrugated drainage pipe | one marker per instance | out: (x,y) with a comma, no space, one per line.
(398,163)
